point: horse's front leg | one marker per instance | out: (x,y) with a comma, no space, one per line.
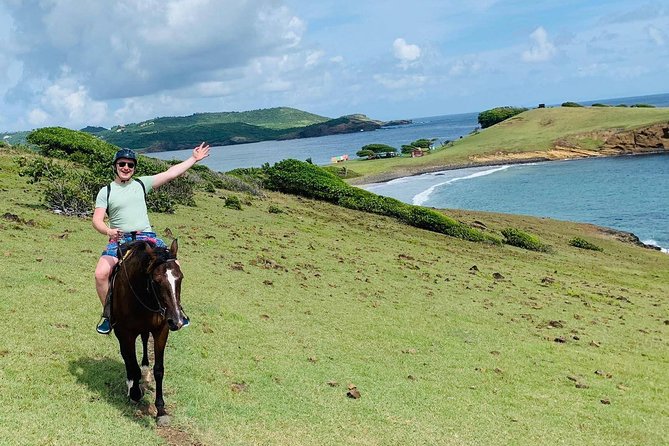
(133,372)
(159,342)
(146,376)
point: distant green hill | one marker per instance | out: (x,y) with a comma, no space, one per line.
(225,128)
(14,138)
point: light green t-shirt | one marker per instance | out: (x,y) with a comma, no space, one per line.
(127,206)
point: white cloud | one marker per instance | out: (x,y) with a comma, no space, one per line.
(71,101)
(405,52)
(463,67)
(313,58)
(542,49)
(656,35)
(137,47)
(400,82)
(37,117)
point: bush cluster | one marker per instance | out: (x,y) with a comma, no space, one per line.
(521,239)
(371,151)
(73,191)
(300,178)
(571,104)
(584,244)
(233,202)
(493,116)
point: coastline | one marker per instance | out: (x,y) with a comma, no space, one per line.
(502,159)
(513,159)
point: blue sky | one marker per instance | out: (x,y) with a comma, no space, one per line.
(77,63)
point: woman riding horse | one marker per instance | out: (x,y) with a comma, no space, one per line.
(124,201)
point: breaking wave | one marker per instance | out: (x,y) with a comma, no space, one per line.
(422,197)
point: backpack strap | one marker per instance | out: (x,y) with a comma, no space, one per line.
(109,192)
(143,187)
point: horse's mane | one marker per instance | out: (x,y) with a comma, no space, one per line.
(152,257)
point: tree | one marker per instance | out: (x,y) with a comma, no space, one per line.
(369,154)
(379,148)
(422,143)
(491,117)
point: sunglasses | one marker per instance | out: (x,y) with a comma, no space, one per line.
(123,164)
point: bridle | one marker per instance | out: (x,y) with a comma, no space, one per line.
(150,288)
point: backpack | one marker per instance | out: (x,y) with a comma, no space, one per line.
(109,192)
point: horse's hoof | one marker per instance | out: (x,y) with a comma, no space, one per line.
(163,420)
(136,395)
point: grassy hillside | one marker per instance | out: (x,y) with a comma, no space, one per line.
(533,130)
(216,128)
(289,308)
(174,133)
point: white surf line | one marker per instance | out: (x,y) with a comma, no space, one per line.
(652,242)
(422,197)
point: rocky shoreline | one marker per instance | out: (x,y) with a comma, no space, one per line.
(649,140)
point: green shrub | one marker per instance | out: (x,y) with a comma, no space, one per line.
(341,171)
(597,104)
(516,237)
(493,116)
(584,244)
(379,148)
(422,143)
(67,191)
(233,202)
(643,106)
(365,154)
(90,152)
(571,104)
(274,209)
(295,177)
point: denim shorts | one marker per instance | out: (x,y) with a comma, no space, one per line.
(112,247)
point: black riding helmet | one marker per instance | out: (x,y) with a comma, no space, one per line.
(127,154)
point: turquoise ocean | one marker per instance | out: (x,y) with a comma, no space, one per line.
(626,193)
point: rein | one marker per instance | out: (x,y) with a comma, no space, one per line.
(161,310)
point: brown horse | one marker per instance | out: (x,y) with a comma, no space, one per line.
(146,298)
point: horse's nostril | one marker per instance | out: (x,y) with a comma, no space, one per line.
(172,325)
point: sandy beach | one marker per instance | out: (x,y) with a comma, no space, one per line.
(502,158)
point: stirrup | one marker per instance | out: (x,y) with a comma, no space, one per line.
(104,327)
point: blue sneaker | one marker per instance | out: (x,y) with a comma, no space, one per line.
(104,327)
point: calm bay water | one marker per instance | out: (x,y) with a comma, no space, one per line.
(322,149)
(628,193)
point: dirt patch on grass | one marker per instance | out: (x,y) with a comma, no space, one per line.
(176,437)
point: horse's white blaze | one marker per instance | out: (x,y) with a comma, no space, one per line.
(129,383)
(172,279)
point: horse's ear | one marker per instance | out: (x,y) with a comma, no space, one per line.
(148,247)
(174,247)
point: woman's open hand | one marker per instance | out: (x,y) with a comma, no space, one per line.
(201,152)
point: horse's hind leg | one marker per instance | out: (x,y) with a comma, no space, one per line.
(146,375)
(132,370)
(159,343)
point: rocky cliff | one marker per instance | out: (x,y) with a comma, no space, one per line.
(653,138)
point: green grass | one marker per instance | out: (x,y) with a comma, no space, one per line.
(533,130)
(286,302)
